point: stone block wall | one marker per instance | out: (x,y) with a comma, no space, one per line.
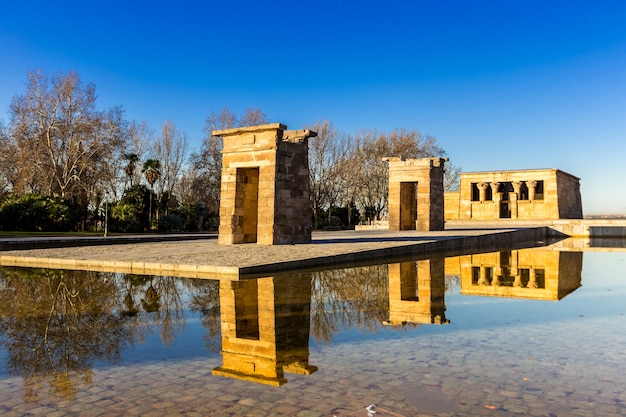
(416,292)
(537,273)
(540,194)
(293,221)
(278,308)
(265,185)
(451,205)
(570,199)
(416,200)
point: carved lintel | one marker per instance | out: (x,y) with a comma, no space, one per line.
(298,135)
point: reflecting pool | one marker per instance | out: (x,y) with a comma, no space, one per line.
(535,332)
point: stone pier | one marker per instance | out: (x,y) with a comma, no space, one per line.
(416,194)
(265,185)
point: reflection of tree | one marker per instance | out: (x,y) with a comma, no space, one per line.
(150,302)
(160,298)
(55,324)
(172,312)
(205,298)
(348,298)
(453,283)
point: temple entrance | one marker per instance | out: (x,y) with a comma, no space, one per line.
(246,309)
(505,209)
(264,196)
(408,205)
(505,189)
(415,200)
(247,202)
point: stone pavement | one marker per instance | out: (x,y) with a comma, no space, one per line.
(205,258)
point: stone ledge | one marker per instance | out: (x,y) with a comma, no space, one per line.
(207,259)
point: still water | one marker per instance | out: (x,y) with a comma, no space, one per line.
(533,332)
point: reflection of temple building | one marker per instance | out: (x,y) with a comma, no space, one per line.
(537,273)
(265,328)
(416,292)
(525,194)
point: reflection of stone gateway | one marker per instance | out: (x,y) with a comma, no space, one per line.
(416,292)
(265,328)
(265,185)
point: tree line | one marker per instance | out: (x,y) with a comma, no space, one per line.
(67,165)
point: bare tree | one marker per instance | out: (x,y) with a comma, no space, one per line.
(328,153)
(7,162)
(139,142)
(451,177)
(369,179)
(56,127)
(205,173)
(203,179)
(170,149)
(252,117)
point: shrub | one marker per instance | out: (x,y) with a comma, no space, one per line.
(36,213)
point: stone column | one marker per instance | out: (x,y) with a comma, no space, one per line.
(482,189)
(532,279)
(496,279)
(494,188)
(513,204)
(514,196)
(515,269)
(531,189)
(483,276)
(496,197)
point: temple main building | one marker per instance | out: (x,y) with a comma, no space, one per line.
(534,194)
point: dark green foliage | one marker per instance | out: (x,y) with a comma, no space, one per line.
(130,214)
(339,217)
(170,223)
(188,218)
(36,213)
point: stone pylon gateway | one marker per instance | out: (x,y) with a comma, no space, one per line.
(265,185)
(416,194)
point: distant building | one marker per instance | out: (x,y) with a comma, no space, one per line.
(534,194)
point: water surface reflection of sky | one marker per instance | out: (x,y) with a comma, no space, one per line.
(536,332)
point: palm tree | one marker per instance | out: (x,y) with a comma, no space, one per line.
(132,159)
(152,171)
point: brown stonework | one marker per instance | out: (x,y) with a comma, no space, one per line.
(537,273)
(265,185)
(416,194)
(416,292)
(265,326)
(536,194)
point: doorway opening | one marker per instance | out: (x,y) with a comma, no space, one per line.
(248,202)
(408,205)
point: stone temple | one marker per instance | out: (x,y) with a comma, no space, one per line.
(265,190)
(416,197)
(265,185)
(532,194)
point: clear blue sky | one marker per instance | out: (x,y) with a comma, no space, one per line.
(501,84)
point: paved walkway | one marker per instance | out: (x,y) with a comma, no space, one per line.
(203,257)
